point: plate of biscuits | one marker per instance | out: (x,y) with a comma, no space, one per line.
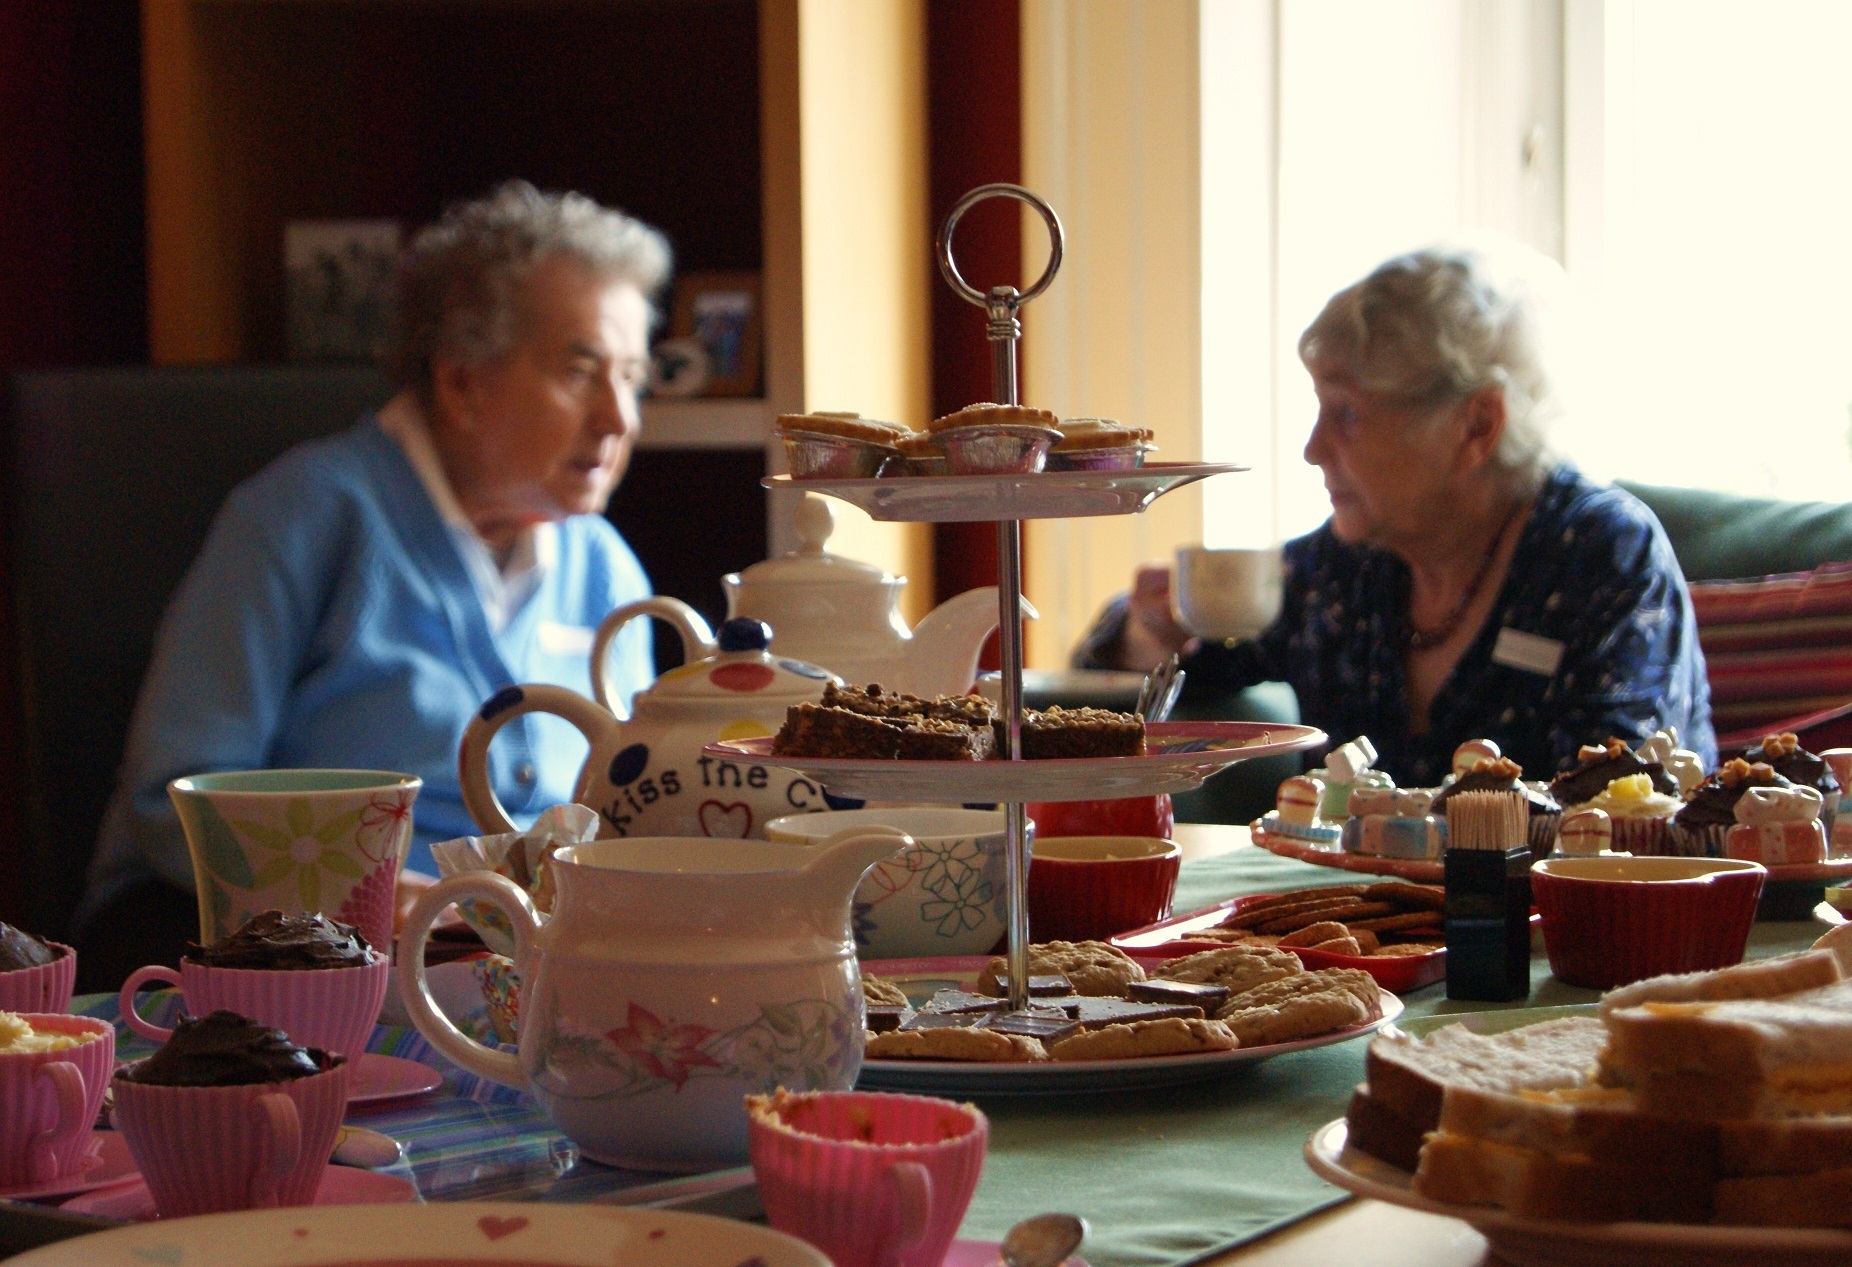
(1102,1020)
(1390,929)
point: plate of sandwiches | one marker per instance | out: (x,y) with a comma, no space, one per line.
(1701,1119)
(1102,1020)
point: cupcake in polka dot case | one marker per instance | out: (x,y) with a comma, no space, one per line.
(1702,828)
(1785,756)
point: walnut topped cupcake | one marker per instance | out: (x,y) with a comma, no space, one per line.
(1783,753)
(1599,765)
(1502,774)
(1701,829)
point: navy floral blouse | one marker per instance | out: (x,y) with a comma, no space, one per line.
(1592,636)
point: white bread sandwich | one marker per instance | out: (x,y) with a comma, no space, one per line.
(1754,979)
(1401,1102)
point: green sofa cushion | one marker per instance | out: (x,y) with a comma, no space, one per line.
(1720,536)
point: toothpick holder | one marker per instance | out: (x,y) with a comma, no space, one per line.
(1487,919)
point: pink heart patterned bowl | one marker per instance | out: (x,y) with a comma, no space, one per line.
(1608,921)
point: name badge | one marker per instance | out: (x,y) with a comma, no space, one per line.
(1529,652)
(558,639)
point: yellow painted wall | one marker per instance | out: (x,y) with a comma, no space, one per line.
(1111,137)
(867,249)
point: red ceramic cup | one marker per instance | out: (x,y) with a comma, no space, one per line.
(1086,888)
(1608,921)
(46,988)
(330,1008)
(1124,816)
(49,1099)
(872,1180)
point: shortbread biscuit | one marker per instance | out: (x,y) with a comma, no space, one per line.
(1405,949)
(1352,981)
(1340,946)
(877,991)
(1171,1037)
(1391,923)
(1367,941)
(1091,967)
(954,1043)
(1348,914)
(1304,1016)
(1313,934)
(1254,915)
(1239,967)
(1425,897)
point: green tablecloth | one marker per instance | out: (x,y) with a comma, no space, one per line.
(1168,1176)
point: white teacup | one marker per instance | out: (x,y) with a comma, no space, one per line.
(943,895)
(1226,593)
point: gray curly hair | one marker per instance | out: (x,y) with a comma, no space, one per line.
(463,280)
(1443,323)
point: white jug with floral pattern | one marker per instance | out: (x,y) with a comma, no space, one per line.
(675,977)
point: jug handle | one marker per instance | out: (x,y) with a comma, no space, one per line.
(504,706)
(415,990)
(697,640)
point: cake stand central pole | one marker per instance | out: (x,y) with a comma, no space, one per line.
(1003,329)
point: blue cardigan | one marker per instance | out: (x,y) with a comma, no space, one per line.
(329,621)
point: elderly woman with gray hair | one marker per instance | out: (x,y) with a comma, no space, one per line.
(358,599)
(1467,584)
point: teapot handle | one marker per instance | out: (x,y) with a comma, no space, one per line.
(439,1031)
(697,640)
(504,706)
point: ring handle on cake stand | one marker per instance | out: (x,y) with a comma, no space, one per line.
(1003,329)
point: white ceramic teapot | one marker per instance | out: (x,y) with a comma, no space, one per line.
(844,615)
(673,978)
(648,776)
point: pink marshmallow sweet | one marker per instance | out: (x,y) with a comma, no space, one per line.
(1585,832)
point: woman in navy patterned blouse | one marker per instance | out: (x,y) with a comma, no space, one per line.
(1467,584)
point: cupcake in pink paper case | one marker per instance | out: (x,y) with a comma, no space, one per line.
(1640,816)
(1701,829)
(1501,774)
(1784,755)
(1778,826)
(35,975)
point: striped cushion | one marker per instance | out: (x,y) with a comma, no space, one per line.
(1778,648)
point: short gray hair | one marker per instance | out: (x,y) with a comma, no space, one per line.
(1446,322)
(462,282)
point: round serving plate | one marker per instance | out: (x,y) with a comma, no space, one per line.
(921,978)
(1178,757)
(1425,871)
(458,1233)
(1041,495)
(1554,1243)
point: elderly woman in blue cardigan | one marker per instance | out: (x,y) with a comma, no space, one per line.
(358,599)
(1468,584)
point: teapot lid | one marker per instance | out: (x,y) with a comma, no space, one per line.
(742,668)
(810,564)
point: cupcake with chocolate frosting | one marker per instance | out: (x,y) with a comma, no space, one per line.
(1702,828)
(275,941)
(1783,754)
(1502,774)
(1598,765)
(1639,815)
(35,975)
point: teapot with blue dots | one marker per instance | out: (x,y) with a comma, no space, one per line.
(647,775)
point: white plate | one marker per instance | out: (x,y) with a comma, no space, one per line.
(1180,756)
(1043,495)
(983,1077)
(532,1234)
(1553,1243)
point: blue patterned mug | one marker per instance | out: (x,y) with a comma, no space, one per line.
(943,895)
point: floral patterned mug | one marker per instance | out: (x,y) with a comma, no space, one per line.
(676,976)
(297,841)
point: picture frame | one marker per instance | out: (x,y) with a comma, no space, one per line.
(340,288)
(722,312)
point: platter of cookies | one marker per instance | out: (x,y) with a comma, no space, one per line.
(1177,757)
(1390,929)
(1102,1020)
(1076,494)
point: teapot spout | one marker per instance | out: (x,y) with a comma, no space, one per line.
(942,654)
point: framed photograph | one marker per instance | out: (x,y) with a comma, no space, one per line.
(721,313)
(339,278)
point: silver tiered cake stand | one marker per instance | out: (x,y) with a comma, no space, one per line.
(1008,500)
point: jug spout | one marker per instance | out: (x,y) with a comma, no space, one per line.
(942,654)
(837,864)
